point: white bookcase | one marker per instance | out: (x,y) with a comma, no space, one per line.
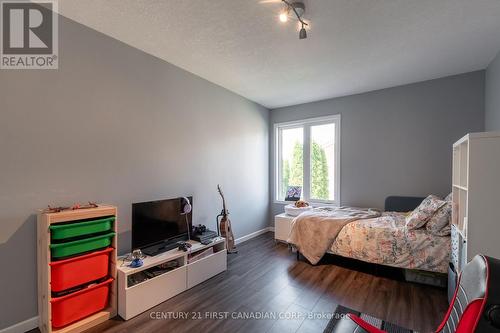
(476,199)
(136,297)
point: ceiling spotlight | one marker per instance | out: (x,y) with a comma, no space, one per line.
(284,17)
(298,9)
(302,33)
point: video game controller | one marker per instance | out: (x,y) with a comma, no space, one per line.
(184,246)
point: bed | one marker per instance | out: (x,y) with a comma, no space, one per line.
(385,240)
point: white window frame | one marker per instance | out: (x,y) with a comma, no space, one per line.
(306,125)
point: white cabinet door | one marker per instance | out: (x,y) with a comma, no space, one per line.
(205,268)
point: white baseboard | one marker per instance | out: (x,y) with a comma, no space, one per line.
(22,327)
(253,235)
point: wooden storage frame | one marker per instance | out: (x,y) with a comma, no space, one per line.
(144,295)
(44,258)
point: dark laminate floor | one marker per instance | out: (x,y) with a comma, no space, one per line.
(265,276)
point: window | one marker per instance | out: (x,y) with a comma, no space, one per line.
(307,155)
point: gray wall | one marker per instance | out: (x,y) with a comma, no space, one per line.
(116,125)
(492,106)
(397,141)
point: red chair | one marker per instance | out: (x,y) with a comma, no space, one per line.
(475,307)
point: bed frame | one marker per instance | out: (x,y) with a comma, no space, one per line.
(401,204)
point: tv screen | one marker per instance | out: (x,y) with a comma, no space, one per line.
(154,222)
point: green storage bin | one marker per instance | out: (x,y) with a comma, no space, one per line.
(67,249)
(78,229)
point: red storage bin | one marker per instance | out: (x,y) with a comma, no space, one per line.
(78,305)
(76,271)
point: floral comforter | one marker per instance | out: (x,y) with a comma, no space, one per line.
(314,231)
(385,240)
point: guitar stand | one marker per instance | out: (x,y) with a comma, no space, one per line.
(217,222)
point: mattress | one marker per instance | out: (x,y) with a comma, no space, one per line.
(384,240)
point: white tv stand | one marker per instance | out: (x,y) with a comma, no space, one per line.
(136,296)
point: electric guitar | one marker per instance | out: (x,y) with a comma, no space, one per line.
(225,225)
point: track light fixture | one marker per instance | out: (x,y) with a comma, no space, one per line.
(302,32)
(298,9)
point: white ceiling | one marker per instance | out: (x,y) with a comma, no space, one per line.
(353,46)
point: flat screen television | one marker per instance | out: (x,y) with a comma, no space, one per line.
(157,226)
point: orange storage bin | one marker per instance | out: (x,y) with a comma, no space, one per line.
(78,305)
(69,273)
